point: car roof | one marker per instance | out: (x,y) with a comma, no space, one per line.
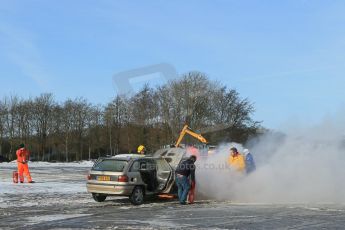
(126,156)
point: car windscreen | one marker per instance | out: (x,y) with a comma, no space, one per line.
(110,165)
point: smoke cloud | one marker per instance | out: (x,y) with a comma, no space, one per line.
(303,165)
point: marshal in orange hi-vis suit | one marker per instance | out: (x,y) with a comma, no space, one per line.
(22,161)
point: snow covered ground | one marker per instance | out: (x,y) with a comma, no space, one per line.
(59,201)
(51,179)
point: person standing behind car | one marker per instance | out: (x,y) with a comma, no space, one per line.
(141,150)
(22,161)
(185,174)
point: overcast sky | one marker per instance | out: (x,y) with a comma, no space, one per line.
(285,56)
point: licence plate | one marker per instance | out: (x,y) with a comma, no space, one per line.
(103,178)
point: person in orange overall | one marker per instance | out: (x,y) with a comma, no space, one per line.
(236,160)
(22,160)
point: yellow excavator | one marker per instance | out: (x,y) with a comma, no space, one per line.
(187,130)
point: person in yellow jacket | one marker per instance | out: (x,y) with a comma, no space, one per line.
(236,160)
(141,150)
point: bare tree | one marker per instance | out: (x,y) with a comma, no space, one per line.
(77,130)
(164,105)
(42,110)
(189,99)
(67,125)
(3,116)
(94,124)
(143,114)
(116,116)
(25,120)
(11,118)
(56,139)
(80,113)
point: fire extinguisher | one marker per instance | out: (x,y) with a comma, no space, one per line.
(191,193)
(15,177)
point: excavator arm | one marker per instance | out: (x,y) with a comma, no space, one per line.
(187,130)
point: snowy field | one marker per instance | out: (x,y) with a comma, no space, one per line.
(59,201)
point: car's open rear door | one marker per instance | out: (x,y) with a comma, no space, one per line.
(164,174)
(173,157)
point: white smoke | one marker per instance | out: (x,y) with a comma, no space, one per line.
(304,165)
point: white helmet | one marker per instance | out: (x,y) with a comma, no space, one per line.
(245,151)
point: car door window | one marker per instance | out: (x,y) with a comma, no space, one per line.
(135,167)
(163,173)
(143,165)
(162,165)
(151,165)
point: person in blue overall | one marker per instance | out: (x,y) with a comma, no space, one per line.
(250,164)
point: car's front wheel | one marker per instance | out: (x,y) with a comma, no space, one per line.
(99,197)
(137,197)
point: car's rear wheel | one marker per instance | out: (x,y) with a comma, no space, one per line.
(137,197)
(99,197)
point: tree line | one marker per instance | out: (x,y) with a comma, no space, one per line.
(76,129)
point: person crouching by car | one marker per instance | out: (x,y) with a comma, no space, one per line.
(185,174)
